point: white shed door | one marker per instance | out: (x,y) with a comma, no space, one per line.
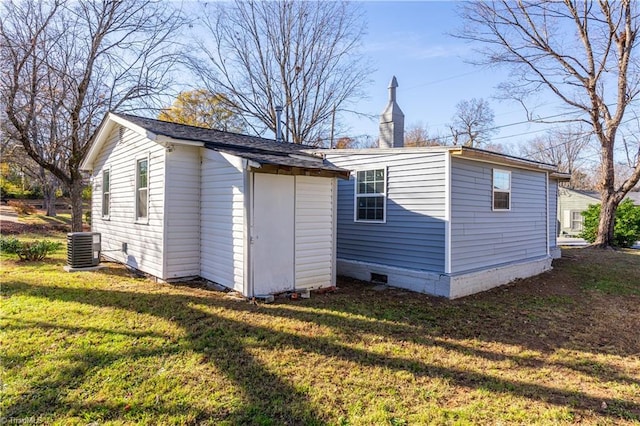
(272,246)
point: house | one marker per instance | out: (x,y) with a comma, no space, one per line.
(177,201)
(448,220)
(634,196)
(571,204)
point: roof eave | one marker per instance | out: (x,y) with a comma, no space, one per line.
(561,177)
(105,128)
(497,158)
(281,169)
(96,142)
(166,140)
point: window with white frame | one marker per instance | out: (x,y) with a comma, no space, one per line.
(576,220)
(370,195)
(142,189)
(501,189)
(106,193)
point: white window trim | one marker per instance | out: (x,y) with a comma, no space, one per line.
(141,220)
(580,221)
(108,215)
(356,195)
(493,190)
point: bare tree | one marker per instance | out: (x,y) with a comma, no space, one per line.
(67,63)
(365,142)
(302,55)
(568,148)
(584,53)
(472,124)
(14,154)
(418,135)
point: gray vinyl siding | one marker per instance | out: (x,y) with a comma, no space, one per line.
(480,237)
(182,219)
(553,208)
(144,240)
(414,233)
(222,219)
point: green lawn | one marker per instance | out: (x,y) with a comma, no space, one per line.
(109,348)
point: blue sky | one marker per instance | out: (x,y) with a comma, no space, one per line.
(409,40)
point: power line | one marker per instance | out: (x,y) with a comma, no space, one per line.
(428,83)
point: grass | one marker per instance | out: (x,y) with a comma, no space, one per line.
(109,348)
(42,219)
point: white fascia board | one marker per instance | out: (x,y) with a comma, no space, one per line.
(129,125)
(502,160)
(104,129)
(364,151)
(103,133)
(107,126)
(165,140)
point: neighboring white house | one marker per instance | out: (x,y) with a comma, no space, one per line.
(178,201)
(449,221)
(571,204)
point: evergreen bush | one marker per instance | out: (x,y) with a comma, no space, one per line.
(34,250)
(626,230)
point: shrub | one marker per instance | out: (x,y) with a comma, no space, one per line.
(9,244)
(87,216)
(86,193)
(35,250)
(626,230)
(11,190)
(22,208)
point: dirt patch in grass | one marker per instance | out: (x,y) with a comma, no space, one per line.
(15,228)
(560,348)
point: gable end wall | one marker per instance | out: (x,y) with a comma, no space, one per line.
(144,240)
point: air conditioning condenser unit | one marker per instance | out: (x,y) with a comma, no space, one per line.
(83,249)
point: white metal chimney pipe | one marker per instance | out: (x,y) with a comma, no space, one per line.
(278,123)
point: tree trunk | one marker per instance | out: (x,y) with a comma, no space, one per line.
(75,193)
(50,201)
(49,193)
(608,207)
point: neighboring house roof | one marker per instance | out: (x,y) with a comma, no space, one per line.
(589,194)
(261,151)
(635,197)
(595,195)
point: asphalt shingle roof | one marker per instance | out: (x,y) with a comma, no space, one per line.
(260,150)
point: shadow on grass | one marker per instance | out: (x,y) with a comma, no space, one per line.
(268,397)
